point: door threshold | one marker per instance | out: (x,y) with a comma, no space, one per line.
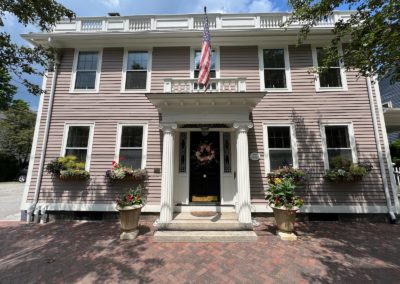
(203,204)
(202,207)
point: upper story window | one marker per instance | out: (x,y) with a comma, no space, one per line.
(275,71)
(131,150)
(213,70)
(280,147)
(338,140)
(331,78)
(77,142)
(136,71)
(86,70)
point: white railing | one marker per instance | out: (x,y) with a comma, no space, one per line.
(189,22)
(217,85)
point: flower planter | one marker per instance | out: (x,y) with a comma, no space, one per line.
(72,178)
(129,220)
(285,218)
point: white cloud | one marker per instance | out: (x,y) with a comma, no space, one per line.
(236,6)
(258,6)
(111,3)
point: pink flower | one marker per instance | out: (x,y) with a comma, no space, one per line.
(129,197)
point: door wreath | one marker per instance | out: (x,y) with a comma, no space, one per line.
(205,154)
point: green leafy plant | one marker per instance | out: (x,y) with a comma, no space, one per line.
(132,197)
(280,192)
(120,172)
(67,168)
(343,170)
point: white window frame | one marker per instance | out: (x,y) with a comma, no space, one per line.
(125,66)
(144,141)
(75,66)
(217,61)
(287,69)
(67,125)
(318,88)
(293,142)
(350,130)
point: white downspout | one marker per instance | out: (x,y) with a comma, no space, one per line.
(379,149)
(46,135)
(386,147)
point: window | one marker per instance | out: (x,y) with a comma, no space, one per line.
(182,152)
(213,73)
(332,78)
(226,138)
(86,70)
(77,142)
(338,142)
(136,70)
(274,68)
(280,147)
(131,148)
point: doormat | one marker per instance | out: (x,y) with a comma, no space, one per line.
(203,213)
(207,198)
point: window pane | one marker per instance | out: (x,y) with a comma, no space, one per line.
(280,158)
(131,158)
(87,61)
(337,137)
(279,137)
(274,58)
(79,153)
(345,153)
(78,136)
(330,78)
(197,55)
(132,136)
(212,74)
(85,80)
(136,80)
(275,78)
(137,60)
(321,55)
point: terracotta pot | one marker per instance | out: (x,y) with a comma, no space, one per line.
(285,218)
(129,217)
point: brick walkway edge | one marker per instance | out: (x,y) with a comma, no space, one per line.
(90,252)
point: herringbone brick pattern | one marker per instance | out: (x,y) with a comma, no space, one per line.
(69,252)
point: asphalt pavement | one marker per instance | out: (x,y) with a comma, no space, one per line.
(10,200)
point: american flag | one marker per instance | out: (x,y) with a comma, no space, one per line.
(205,58)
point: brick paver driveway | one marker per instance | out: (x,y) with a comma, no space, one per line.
(92,253)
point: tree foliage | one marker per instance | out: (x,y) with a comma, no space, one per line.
(16,131)
(372,33)
(20,60)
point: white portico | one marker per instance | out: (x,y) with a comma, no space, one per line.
(222,118)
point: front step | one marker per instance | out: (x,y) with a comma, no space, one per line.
(205,236)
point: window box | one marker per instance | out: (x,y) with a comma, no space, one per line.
(68,168)
(120,172)
(344,171)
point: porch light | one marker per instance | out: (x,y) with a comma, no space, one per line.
(204,131)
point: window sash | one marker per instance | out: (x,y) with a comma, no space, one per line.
(271,83)
(137,52)
(136,83)
(136,161)
(286,154)
(78,68)
(213,69)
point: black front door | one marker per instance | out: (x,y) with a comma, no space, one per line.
(204,167)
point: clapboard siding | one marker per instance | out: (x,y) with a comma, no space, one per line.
(304,107)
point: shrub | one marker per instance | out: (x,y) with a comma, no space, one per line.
(67,168)
(8,167)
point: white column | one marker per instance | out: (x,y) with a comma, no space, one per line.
(243,175)
(167,178)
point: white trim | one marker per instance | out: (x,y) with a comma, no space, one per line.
(352,141)
(144,125)
(91,125)
(293,142)
(34,142)
(255,208)
(343,77)
(287,68)
(389,103)
(98,71)
(149,69)
(343,209)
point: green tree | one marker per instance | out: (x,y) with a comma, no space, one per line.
(16,131)
(372,33)
(20,60)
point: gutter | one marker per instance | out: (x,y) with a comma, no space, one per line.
(391,212)
(32,208)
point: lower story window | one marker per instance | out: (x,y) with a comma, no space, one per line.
(77,142)
(130,148)
(338,143)
(280,147)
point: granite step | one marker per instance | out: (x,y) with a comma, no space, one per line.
(205,236)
